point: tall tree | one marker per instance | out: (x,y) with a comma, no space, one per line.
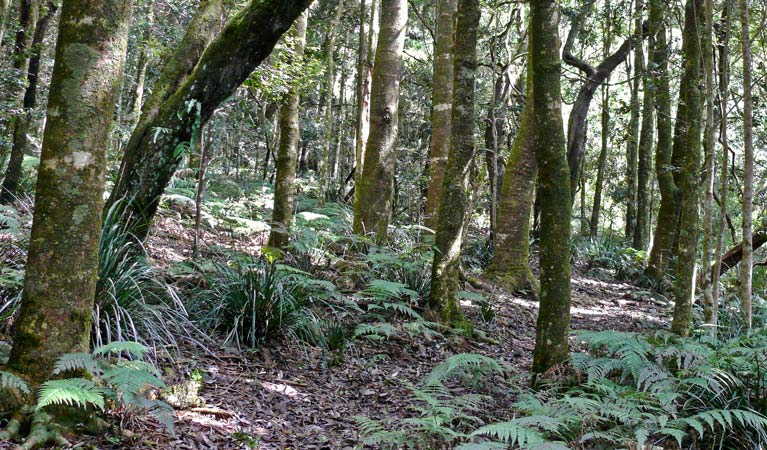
(61,270)
(454,196)
(605,130)
(746,271)
(711,310)
(364,80)
(151,157)
(287,152)
(641,237)
(707,42)
(510,265)
(4,4)
(665,169)
(23,120)
(330,77)
(632,137)
(688,138)
(442,97)
(373,199)
(553,324)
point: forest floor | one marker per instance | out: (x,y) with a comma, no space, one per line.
(288,396)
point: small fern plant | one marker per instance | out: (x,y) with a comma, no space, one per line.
(112,376)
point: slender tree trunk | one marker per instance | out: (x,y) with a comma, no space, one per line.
(22,123)
(712,309)
(596,207)
(203,142)
(4,4)
(691,142)
(373,202)
(330,77)
(709,152)
(670,197)
(284,188)
(61,270)
(454,196)
(138,93)
(632,142)
(366,79)
(746,270)
(148,165)
(553,324)
(510,266)
(641,237)
(442,97)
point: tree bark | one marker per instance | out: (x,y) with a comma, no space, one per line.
(746,272)
(287,153)
(553,324)
(605,130)
(442,97)
(690,141)
(366,79)
(670,196)
(149,163)
(641,237)
(61,270)
(4,4)
(510,265)
(454,197)
(373,196)
(632,141)
(709,151)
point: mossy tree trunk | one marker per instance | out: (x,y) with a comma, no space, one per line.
(709,151)
(553,324)
(442,98)
(4,4)
(640,239)
(690,145)
(454,196)
(61,270)
(668,212)
(596,206)
(510,265)
(151,158)
(374,192)
(746,270)
(365,79)
(287,152)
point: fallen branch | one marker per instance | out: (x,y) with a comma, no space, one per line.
(735,254)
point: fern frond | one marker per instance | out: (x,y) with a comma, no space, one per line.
(71,391)
(472,362)
(133,348)
(76,361)
(131,381)
(11,381)
(510,432)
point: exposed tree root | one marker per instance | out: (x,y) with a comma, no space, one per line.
(43,429)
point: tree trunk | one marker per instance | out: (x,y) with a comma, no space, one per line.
(4,4)
(202,142)
(365,80)
(641,237)
(553,324)
(632,141)
(442,97)
(709,152)
(330,77)
(670,198)
(373,202)
(287,153)
(510,265)
(596,207)
(711,310)
(61,270)
(138,93)
(690,98)
(28,12)
(746,271)
(577,125)
(227,61)
(454,196)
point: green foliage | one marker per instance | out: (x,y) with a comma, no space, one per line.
(109,382)
(251,300)
(132,301)
(612,254)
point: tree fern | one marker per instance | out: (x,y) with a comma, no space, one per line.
(77,392)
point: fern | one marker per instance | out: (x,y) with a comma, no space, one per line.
(76,361)
(77,392)
(511,432)
(133,348)
(11,381)
(472,363)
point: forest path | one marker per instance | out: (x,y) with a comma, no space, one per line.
(288,397)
